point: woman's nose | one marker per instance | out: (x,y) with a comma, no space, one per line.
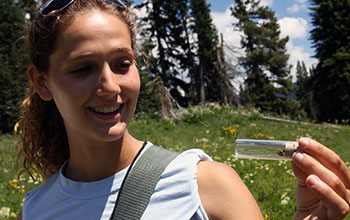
(107,82)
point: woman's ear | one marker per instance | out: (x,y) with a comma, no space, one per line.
(38,80)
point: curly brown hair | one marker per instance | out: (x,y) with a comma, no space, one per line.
(43,144)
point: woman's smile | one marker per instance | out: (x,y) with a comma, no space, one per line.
(107,113)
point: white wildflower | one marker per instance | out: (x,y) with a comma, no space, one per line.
(5,212)
(285,200)
(290,172)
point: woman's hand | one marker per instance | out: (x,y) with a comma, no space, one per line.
(323,190)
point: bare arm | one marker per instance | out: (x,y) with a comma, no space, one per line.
(323,190)
(223,193)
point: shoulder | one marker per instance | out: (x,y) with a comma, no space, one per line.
(186,163)
(177,189)
(223,193)
(46,185)
(39,194)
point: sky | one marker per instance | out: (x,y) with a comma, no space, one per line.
(293,18)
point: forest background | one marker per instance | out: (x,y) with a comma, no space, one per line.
(189,63)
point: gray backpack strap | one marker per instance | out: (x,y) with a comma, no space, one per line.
(139,185)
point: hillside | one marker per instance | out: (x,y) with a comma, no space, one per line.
(214,130)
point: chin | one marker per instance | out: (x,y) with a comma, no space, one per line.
(113,134)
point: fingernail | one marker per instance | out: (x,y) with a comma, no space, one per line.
(313,181)
(298,156)
(304,141)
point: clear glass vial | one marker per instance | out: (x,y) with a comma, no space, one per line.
(265,149)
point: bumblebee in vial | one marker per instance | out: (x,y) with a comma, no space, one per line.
(281,151)
(265,149)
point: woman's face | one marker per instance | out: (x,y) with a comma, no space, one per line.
(93,78)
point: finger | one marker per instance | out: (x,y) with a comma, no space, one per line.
(327,158)
(299,174)
(337,207)
(309,166)
(304,196)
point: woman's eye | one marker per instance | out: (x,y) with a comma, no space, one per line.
(123,64)
(83,69)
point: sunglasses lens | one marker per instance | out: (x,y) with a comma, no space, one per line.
(119,3)
(54,5)
(57,5)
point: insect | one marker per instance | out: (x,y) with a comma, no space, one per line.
(281,152)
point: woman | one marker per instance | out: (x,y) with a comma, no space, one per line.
(84,88)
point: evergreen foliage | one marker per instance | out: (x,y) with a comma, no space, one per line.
(148,102)
(165,31)
(331,39)
(205,44)
(268,81)
(304,90)
(12,62)
(30,7)
(211,78)
(183,34)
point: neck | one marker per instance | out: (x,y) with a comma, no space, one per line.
(92,161)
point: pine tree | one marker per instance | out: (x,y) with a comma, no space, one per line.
(12,62)
(205,45)
(166,33)
(304,91)
(268,80)
(209,77)
(332,43)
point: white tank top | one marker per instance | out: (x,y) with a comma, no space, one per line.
(175,197)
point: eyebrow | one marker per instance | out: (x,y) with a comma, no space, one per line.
(91,54)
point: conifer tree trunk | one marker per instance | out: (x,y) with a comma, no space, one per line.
(228,95)
(160,36)
(200,83)
(170,108)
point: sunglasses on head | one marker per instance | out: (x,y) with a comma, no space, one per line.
(53,6)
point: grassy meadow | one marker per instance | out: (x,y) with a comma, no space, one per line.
(214,130)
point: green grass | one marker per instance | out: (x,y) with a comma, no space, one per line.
(213,130)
